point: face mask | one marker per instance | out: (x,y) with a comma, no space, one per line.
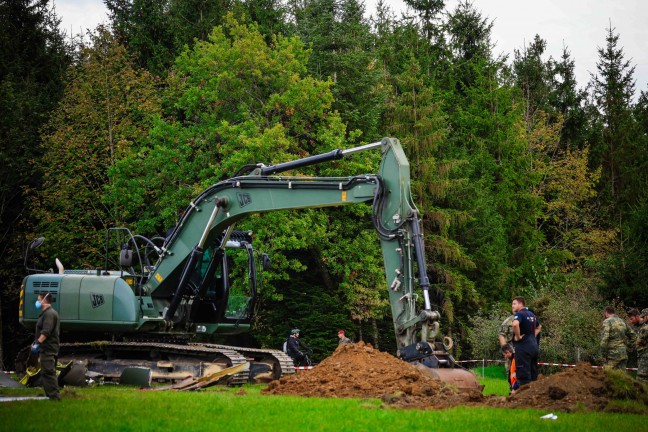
(38,305)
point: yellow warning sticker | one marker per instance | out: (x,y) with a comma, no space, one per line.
(158,277)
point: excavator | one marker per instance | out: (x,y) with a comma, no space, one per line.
(153,297)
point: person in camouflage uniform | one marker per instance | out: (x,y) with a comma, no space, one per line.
(635,318)
(505,335)
(615,336)
(642,348)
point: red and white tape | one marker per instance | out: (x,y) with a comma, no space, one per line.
(303,367)
(539,363)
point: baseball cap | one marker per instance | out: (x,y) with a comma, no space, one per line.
(294,331)
(341,332)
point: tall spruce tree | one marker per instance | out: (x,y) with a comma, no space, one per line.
(568,101)
(343,50)
(621,154)
(613,88)
(532,76)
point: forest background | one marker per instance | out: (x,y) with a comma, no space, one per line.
(527,184)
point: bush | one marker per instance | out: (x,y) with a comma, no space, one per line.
(482,334)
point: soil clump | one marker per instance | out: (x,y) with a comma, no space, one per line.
(360,371)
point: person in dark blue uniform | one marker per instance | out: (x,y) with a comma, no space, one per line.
(525,330)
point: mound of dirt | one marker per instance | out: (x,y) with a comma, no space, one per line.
(577,389)
(360,371)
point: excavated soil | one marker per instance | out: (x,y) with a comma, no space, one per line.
(360,371)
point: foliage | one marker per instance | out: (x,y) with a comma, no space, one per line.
(570,314)
(342,50)
(482,336)
(34,56)
(104,115)
(525,182)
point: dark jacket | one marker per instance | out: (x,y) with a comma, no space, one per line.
(294,347)
(49,325)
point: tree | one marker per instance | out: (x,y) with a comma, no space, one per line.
(33,59)
(568,101)
(532,75)
(620,152)
(107,110)
(235,100)
(417,119)
(613,88)
(343,51)
(144,27)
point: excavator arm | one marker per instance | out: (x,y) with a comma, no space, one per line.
(394,215)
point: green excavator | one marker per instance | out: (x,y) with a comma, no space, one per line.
(152,297)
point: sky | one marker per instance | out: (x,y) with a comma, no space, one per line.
(579,25)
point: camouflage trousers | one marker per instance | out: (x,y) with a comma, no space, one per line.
(642,372)
(48,376)
(616,364)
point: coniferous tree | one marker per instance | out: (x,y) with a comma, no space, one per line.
(568,101)
(143,26)
(417,119)
(532,75)
(620,151)
(343,51)
(613,88)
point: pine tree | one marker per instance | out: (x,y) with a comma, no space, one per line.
(417,119)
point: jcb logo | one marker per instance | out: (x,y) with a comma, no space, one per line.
(96,300)
(244,199)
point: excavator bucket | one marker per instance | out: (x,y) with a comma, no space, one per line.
(460,378)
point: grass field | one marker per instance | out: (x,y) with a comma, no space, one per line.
(114,408)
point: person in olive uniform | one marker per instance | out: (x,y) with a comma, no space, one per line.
(505,336)
(642,348)
(616,336)
(46,344)
(343,339)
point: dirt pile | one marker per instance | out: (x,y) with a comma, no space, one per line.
(360,371)
(579,388)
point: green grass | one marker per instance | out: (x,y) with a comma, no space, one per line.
(493,378)
(113,408)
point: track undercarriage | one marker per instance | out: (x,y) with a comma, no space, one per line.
(171,362)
